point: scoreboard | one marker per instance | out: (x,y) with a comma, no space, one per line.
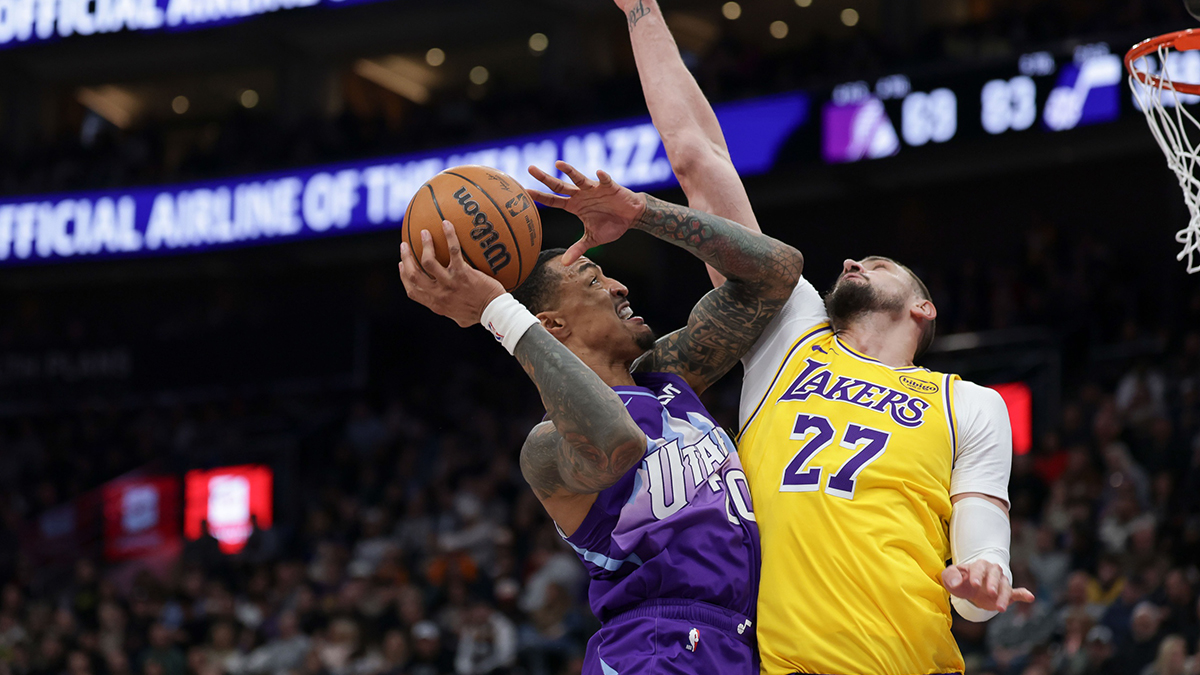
(1037,93)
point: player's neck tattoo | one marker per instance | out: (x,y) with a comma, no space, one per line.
(637,12)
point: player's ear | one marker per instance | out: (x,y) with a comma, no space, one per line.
(924,309)
(553,323)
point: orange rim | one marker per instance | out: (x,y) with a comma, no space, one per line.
(1181,41)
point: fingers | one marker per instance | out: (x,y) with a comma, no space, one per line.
(577,249)
(408,267)
(546,199)
(604,179)
(456,258)
(952,579)
(551,182)
(991,581)
(1022,595)
(574,174)
(417,283)
(975,575)
(1004,597)
(429,261)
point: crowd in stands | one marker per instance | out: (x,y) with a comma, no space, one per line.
(407,543)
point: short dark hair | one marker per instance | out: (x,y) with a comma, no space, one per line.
(539,291)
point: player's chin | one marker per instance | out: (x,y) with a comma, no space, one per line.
(643,336)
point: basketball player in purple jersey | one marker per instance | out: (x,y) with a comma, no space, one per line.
(639,478)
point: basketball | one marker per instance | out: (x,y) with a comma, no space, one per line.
(497,222)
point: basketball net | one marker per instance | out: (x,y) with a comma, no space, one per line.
(1173,126)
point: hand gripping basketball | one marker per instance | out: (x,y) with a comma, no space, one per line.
(607,209)
(457,291)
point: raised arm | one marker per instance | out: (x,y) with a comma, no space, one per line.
(760,274)
(689,128)
(761,271)
(590,440)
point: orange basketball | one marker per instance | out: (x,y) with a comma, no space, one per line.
(497,222)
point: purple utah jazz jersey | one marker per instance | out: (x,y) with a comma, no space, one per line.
(679,525)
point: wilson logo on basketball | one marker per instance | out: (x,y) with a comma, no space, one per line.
(483,232)
(918,385)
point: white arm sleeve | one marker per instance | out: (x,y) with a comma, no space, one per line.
(803,310)
(984,459)
(979,530)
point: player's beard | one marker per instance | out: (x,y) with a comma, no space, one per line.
(848,301)
(645,340)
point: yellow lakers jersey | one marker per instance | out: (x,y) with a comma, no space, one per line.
(849,467)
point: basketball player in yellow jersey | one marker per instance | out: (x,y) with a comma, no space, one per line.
(867,473)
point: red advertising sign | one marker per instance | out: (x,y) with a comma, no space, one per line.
(141,516)
(1019,400)
(226,498)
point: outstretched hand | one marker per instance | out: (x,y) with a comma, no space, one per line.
(983,583)
(457,291)
(607,209)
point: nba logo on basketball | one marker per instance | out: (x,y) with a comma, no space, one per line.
(693,640)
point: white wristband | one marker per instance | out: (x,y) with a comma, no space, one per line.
(508,320)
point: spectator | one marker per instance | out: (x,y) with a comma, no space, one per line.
(261,546)
(1098,655)
(1012,636)
(205,550)
(1049,564)
(429,655)
(223,651)
(1076,600)
(1119,614)
(373,546)
(283,654)
(1179,604)
(475,534)
(1140,649)
(1072,647)
(488,643)
(162,652)
(1172,658)
(395,657)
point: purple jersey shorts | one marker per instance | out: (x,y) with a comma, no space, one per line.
(673,637)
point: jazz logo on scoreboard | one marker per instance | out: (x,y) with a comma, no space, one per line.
(857,125)
(1087,92)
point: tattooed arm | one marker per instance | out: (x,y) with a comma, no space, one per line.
(686,122)
(590,441)
(760,271)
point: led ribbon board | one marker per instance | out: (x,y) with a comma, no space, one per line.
(32,21)
(353,197)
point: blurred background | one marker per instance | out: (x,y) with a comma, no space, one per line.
(230,445)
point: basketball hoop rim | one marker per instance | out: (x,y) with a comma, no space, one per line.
(1181,41)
